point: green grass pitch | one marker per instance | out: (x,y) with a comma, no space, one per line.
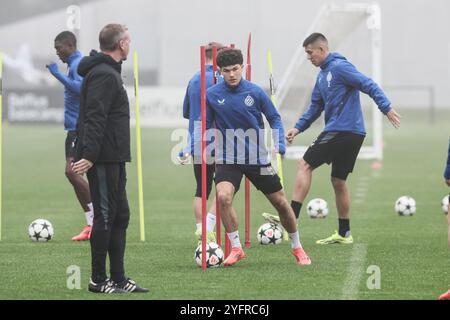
(411,252)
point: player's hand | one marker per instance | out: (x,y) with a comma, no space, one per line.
(290,135)
(447,182)
(183,158)
(394,118)
(52,67)
(82,166)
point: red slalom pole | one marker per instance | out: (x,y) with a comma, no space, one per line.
(218,233)
(227,241)
(248,76)
(203,107)
(214,56)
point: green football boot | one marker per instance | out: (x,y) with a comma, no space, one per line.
(210,236)
(336,238)
(271,218)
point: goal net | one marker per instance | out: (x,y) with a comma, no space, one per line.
(354,31)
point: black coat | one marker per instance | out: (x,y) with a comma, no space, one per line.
(103,128)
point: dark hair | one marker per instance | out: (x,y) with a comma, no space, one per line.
(110,36)
(209,48)
(229,57)
(68,38)
(313,38)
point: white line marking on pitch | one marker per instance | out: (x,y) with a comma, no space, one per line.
(361,193)
(361,190)
(355,272)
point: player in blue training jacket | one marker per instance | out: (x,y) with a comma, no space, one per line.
(66,49)
(192,111)
(237,107)
(336,92)
(446,295)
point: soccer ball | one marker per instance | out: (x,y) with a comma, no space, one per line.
(405,206)
(270,233)
(214,255)
(317,208)
(40,230)
(444,204)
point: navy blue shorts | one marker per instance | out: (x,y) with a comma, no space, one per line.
(70,144)
(337,148)
(209,179)
(264,178)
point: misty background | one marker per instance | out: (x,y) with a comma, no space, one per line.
(167,35)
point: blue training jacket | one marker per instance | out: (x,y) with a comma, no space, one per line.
(72,89)
(192,108)
(237,113)
(337,93)
(447,168)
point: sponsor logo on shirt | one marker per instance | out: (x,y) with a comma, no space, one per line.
(249,101)
(221,102)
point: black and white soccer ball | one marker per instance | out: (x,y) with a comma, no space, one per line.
(317,208)
(405,206)
(40,230)
(444,204)
(270,233)
(214,255)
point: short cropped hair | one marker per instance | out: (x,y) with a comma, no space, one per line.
(313,38)
(67,38)
(110,36)
(229,57)
(209,48)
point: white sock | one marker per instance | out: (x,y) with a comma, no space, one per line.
(234,239)
(295,240)
(90,214)
(210,222)
(199,227)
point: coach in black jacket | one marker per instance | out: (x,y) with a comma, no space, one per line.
(104,120)
(103,148)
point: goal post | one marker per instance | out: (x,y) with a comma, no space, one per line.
(357,24)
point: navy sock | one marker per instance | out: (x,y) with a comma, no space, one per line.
(296,206)
(344,227)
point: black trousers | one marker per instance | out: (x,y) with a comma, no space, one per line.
(107,183)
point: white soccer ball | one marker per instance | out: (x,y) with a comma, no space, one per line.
(214,255)
(444,204)
(270,233)
(40,230)
(405,206)
(317,208)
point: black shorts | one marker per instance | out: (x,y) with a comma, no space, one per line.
(338,148)
(264,178)
(70,144)
(209,179)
